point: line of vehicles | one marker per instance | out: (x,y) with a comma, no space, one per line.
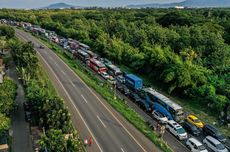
(157,105)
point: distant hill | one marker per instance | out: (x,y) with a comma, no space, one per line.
(187,3)
(60,6)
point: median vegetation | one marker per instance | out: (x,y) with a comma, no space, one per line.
(47,109)
(107,93)
(183,52)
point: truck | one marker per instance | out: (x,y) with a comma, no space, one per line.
(133,82)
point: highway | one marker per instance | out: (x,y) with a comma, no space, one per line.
(91,114)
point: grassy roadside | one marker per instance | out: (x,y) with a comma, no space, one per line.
(87,76)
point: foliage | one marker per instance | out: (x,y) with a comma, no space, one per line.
(56,141)
(48,110)
(7,31)
(7,96)
(5,123)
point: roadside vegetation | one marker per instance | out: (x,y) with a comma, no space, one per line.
(184,53)
(47,108)
(8,88)
(104,89)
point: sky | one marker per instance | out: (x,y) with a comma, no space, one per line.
(103,3)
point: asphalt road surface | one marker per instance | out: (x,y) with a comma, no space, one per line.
(91,114)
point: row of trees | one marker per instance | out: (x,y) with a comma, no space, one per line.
(186,50)
(8,87)
(48,110)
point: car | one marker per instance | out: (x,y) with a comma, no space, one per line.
(195,145)
(26,106)
(212,131)
(159,116)
(105,75)
(133,96)
(194,120)
(120,79)
(176,129)
(28,116)
(41,47)
(111,80)
(191,128)
(123,89)
(143,105)
(214,144)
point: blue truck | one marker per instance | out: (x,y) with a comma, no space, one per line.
(133,82)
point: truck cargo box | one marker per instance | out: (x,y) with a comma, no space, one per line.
(133,82)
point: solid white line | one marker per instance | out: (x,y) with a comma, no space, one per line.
(122,150)
(101,121)
(100,102)
(84,98)
(71,101)
(126,130)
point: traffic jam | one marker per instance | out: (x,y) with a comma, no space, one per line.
(187,128)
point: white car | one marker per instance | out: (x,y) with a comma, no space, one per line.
(195,145)
(177,130)
(159,116)
(105,75)
(214,144)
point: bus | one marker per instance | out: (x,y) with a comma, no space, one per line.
(97,66)
(165,105)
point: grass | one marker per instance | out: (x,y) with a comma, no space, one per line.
(105,91)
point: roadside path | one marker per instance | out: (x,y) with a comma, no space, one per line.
(21,134)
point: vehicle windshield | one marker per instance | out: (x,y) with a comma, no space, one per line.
(220,146)
(201,147)
(197,121)
(181,130)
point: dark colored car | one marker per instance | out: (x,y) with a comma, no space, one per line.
(134,97)
(191,128)
(41,47)
(123,89)
(28,116)
(212,131)
(26,106)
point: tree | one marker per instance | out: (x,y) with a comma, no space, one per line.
(53,141)
(7,31)
(5,123)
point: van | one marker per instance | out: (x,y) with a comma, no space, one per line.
(212,131)
(214,144)
(195,145)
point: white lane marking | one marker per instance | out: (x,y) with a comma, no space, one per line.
(72,84)
(63,72)
(101,121)
(71,101)
(122,150)
(84,99)
(56,64)
(126,130)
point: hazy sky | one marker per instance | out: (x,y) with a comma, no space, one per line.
(41,3)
